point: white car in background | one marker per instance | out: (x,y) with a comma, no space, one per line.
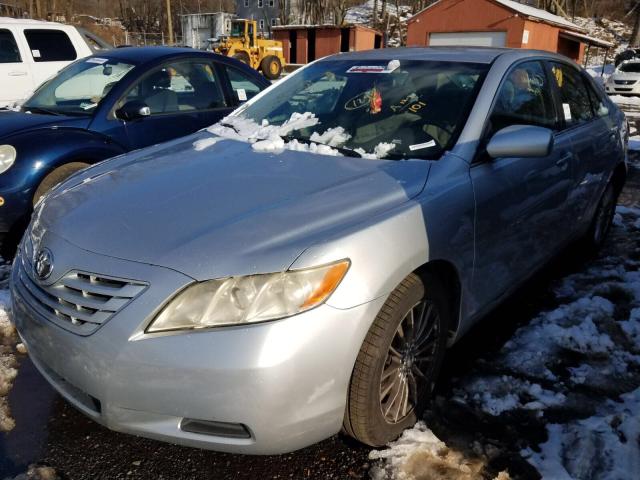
(31,51)
(625,80)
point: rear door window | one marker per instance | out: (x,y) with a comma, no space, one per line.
(50,45)
(574,97)
(9,52)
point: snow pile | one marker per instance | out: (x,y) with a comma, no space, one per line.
(603,446)
(8,363)
(419,454)
(269,138)
(203,143)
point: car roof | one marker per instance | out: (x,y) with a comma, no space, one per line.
(142,55)
(444,54)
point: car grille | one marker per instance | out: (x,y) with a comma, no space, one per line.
(617,89)
(625,82)
(79,301)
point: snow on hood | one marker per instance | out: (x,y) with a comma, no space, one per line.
(269,138)
(221,208)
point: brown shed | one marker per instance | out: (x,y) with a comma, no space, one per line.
(498,23)
(303,43)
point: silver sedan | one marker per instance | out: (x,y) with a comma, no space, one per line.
(301,267)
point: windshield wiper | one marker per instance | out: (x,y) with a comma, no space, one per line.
(40,110)
(347,152)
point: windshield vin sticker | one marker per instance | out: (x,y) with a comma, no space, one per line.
(97,60)
(420,146)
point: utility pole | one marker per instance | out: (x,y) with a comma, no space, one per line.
(169,22)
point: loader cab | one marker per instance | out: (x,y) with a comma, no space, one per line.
(245,30)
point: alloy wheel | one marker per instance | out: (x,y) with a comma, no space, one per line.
(407,369)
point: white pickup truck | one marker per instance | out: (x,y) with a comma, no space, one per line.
(31,51)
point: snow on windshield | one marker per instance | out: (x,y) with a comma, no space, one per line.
(273,138)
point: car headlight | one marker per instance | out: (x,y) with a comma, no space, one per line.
(7,157)
(249,299)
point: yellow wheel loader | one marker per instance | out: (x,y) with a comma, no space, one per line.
(244,44)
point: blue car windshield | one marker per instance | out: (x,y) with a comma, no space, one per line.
(79,88)
(418,106)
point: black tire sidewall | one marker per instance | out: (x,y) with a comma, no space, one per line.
(379,431)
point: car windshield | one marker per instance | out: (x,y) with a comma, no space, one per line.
(632,67)
(79,88)
(419,107)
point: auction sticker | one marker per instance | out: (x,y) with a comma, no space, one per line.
(97,60)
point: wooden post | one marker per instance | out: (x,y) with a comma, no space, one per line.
(169,22)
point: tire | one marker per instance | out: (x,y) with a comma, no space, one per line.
(57,176)
(601,224)
(271,67)
(373,414)
(243,57)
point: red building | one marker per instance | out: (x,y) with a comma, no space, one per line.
(498,23)
(303,44)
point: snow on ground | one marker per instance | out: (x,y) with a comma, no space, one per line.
(562,394)
(8,363)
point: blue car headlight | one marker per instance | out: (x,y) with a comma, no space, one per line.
(7,157)
(249,299)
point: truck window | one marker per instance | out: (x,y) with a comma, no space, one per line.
(9,52)
(50,45)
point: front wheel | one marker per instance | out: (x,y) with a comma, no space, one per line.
(271,67)
(398,362)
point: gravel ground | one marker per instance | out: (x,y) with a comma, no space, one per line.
(49,433)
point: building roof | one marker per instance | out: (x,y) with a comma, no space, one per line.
(327,25)
(526,11)
(586,39)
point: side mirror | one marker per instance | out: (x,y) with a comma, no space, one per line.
(133,110)
(521,141)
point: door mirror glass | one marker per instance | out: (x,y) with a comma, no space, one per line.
(521,141)
(133,110)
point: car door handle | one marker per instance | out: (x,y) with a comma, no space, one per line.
(17,73)
(563,161)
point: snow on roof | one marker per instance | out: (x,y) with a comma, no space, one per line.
(527,11)
(538,13)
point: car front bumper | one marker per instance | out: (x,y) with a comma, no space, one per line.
(285,382)
(615,89)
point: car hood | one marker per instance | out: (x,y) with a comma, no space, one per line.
(225,210)
(625,76)
(15,122)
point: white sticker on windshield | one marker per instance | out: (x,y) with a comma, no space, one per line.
(242,94)
(391,66)
(420,146)
(567,111)
(36,53)
(97,60)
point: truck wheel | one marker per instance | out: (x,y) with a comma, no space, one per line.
(271,67)
(398,362)
(57,176)
(243,57)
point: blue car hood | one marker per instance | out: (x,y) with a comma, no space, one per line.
(225,210)
(15,122)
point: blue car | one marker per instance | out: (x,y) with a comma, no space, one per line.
(106,105)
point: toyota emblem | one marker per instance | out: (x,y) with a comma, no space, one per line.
(44,264)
